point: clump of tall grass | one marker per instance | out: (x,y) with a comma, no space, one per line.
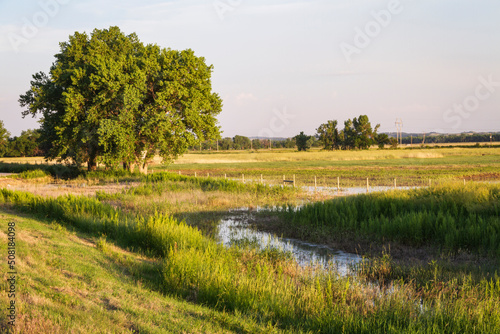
(451,217)
(33,174)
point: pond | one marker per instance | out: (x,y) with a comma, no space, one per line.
(236,230)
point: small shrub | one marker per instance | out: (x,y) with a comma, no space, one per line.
(33,174)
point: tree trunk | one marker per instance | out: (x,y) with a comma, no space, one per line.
(92,163)
(143,168)
(129,166)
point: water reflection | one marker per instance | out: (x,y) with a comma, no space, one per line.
(237,231)
(354,190)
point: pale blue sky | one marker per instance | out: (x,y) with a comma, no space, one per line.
(282,67)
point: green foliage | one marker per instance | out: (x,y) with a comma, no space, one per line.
(358,133)
(452,218)
(329,135)
(33,174)
(205,184)
(26,145)
(303,141)
(111,98)
(436,138)
(272,289)
(382,140)
(241,142)
(117,289)
(4,137)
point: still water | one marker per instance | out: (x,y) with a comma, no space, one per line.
(235,230)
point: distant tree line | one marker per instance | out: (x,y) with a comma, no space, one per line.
(356,134)
(455,138)
(26,145)
(244,143)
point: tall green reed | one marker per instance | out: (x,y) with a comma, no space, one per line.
(453,217)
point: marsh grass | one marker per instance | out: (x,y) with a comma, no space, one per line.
(195,199)
(213,184)
(268,288)
(452,218)
(66,284)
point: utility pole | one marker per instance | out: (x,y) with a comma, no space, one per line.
(399,129)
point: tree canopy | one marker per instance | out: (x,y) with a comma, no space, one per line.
(328,135)
(109,98)
(303,141)
(357,134)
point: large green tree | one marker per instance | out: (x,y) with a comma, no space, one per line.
(364,133)
(329,135)
(359,134)
(303,141)
(110,98)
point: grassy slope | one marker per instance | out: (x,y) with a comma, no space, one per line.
(67,284)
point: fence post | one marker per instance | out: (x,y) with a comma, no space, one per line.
(395,184)
(294,180)
(315,184)
(195,174)
(243,177)
(367,186)
(179,172)
(338,183)
(261,179)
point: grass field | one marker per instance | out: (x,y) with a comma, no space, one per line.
(410,167)
(137,253)
(257,288)
(67,278)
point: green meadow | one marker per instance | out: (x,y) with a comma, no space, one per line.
(138,254)
(411,167)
